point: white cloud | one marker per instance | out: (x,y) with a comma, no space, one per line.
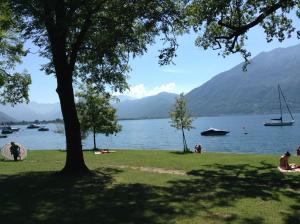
(139,91)
(174,71)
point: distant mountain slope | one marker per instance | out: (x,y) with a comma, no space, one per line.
(157,106)
(33,111)
(5,118)
(237,92)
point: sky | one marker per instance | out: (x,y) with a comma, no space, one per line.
(193,67)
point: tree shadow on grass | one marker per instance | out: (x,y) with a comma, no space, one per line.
(182,153)
(45,197)
(220,186)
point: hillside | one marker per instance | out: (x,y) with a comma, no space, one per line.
(157,106)
(33,111)
(5,118)
(254,91)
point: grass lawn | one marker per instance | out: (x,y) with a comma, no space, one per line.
(128,188)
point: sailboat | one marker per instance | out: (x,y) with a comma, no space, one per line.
(279,121)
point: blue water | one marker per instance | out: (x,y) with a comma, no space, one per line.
(157,134)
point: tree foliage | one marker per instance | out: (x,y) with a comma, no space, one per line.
(95,113)
(223,25)
(91,41)
(13,85)
(181,119)
(96,37)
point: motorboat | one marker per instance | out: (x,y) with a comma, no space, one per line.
(214,132)
(6,127)
(6,131)
(33,126)
(3,136)
(43,129)
(12,129)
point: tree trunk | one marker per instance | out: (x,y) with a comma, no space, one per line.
(94,133)
(184,141)
(74,161)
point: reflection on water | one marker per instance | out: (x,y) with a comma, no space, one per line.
(157,134)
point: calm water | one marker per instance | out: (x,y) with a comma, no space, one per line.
(157,134)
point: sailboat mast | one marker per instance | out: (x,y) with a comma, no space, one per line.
(286,103)
(279,96)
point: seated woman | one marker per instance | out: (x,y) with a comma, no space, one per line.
(298,151)
(198,148)
(284,162)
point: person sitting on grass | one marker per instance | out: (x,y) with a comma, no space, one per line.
(284,162)
(15,151)
(198,148)
(298,151)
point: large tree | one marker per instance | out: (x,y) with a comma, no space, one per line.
(92,40)
(13,85)
(224,24)
(95,113)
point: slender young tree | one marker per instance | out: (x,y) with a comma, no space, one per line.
(95,113)
(181,119)
(83,38)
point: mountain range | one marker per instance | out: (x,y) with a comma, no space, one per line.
(254,91)
(32,111)
(230,92)
(157,106)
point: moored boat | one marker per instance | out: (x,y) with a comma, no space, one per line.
(6,127)
(3,136)
(6,131)
(43,129)
(12,129)
(214,132)
(33,126)
(279,121)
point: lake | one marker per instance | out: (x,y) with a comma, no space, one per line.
(157,134)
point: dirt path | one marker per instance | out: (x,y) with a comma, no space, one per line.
(150,169)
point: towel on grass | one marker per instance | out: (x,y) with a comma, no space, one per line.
(289,171)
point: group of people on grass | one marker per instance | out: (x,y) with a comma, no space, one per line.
(283,162)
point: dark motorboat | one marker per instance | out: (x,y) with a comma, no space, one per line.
(6,127)
(214,132)
(33,126)
(3,136)
(11,128)
(43,129)
(6,131)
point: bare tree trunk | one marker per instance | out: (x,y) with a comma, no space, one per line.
(185,148)
(94,133)
(74,162)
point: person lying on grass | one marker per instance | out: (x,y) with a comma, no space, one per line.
(284,162)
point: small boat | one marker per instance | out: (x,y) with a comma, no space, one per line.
(9,128)
(33,126)
(214,132)
(6,131)
(279,121)
(12,129)
(43,129)
(3,136)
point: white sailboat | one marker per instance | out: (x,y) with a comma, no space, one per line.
(279,121)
